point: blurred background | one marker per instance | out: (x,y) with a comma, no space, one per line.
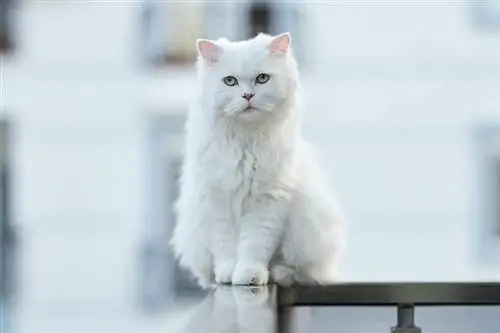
(402,101)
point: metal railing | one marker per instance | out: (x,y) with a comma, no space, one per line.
(403,296)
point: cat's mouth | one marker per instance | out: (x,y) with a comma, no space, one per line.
(249,109)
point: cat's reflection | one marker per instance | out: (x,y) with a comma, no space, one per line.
(234,310)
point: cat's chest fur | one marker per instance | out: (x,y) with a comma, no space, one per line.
(244,167)
(240,173)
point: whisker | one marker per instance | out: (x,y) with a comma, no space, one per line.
(269,107)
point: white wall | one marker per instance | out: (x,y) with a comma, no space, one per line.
(391,98)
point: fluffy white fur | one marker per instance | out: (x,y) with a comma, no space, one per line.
(253,204)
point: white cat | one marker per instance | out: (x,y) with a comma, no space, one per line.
(253,204)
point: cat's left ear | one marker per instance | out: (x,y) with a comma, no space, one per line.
(280,44)
(208,50)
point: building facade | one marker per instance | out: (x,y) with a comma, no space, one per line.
(395,98)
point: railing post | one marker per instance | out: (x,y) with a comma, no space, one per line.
(405,321)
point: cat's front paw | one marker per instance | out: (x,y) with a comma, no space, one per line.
(251,296)
(250,275)
(282,274)
(224,272)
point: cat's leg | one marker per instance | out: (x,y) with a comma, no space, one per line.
(314,238)
(283,274)
(205,240)
(260,233)
(192,252)
(280,272)
(191,238)
(224,245)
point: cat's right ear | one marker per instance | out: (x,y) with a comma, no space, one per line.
(280,44)
(208,50)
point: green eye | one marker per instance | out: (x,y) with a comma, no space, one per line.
(262,78)
(230,81)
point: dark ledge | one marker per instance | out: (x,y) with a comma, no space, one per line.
(391,294)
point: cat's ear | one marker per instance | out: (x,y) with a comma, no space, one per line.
(280,44)
(208,50)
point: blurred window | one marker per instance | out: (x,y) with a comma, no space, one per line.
(6,37)
(275,17)
(260,17)
(169,29)
(486,14)
(162,280)
(488,194)
(6,228)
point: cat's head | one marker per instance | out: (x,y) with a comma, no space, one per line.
(250,79)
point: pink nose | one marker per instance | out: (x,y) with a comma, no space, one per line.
(248,96)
